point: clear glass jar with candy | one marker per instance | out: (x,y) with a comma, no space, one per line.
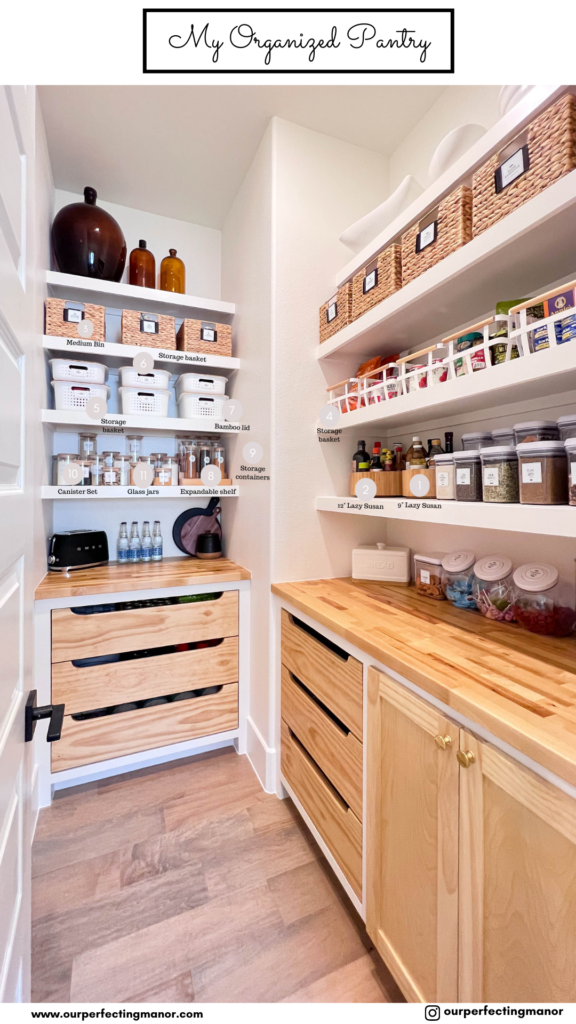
(458,579)
(543,603)
(493,588)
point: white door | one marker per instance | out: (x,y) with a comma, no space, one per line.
(19,298)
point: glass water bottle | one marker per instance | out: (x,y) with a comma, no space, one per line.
(146,550)
(123,544)
(156,542)
(134,551)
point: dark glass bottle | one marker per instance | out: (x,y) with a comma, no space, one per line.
(449,441)
(142,266)
(87,241)
(361,459)
(172,274)
(399,459)
(375,464)
(435,449)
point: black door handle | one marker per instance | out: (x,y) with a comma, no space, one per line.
(55,712)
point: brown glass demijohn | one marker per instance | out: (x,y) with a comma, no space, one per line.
(172,274)
(88,241)
(142,267)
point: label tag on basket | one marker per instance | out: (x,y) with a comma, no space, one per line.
(148,324)
(512,168)
(532,473)
(331,312)
(426,236)
(73,316)
(370,281)
(208,334)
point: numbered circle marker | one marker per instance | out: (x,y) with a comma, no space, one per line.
(143,362)
(329,415)
(232,410)
(211,476)
(253,452)
(365,489)
(96,408)
(143,475)
(72,474)
(85,328)
(419,485)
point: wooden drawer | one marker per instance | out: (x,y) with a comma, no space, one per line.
(115,735)
(336,680)
(335,749)
(99,686)
(87,636)
(336,823)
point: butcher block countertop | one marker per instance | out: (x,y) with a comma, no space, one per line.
(116,579)
(519,686)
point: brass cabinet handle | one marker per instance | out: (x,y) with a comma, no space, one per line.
(465,758)
(443,742)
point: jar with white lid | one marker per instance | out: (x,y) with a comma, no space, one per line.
(570,446)
(543,470)
(500,474)
(458,579)
(503,436)
(476,440)
(543,603)
(536,430)
(493,588)
(428,575)
(567,426)
(445,477)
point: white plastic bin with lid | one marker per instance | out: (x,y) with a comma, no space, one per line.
(379,562)
(144,401)
(130,378)
(503,436)
(493,587)
(200,383)
(458,579)
(68,395)
(476,440)
(536,430)
(79,370)
(206,406)
(428,574)
(543,603)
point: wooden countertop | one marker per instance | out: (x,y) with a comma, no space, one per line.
(115,579)
(519,686)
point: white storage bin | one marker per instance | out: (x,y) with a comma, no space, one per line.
(144,401)
(68,395)
(208,406)
(199,383)
(79,369)
(130,378)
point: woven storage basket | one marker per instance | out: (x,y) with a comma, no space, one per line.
(551,148)
(387,266)
(196,336)
(339,309)
(58,327)
(133,335)
(453,229)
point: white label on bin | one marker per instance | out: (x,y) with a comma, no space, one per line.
(207,334)
(427,236)
(463,477)
(424,576)
(74,316)
(512,168)
(491,476)
(331,312)
(532,473)
(441,478)
(369,282)
(148,327)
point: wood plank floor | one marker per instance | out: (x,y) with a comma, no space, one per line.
(186,883)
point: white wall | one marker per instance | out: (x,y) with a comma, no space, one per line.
(458,105)
(197,246)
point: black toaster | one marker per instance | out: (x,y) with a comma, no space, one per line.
(77,549)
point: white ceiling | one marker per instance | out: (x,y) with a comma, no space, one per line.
(183,151)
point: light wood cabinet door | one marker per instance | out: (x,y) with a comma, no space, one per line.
(412,840)
(517,882)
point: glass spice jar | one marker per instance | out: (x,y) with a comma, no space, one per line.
(499,474)
(97,467)
(111,476)
(428,575)
(542,603)
(458,579)
(570,445)
(219,458)
(493,588)
(543,473)
(87,443)
(468,475)
(123,464)
(144,460)
(445,477)
(134,446)
(163,477)
(189,462)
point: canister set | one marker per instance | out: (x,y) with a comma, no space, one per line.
(532,463)
(532,595)
(114,469)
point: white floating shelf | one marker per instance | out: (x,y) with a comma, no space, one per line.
(118,355)
(549,520)
(114,423)
(524,252)
(88,493)
(129,296)
(538,375)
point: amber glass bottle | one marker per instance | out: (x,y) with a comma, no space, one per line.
(142,266)
(172,274)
